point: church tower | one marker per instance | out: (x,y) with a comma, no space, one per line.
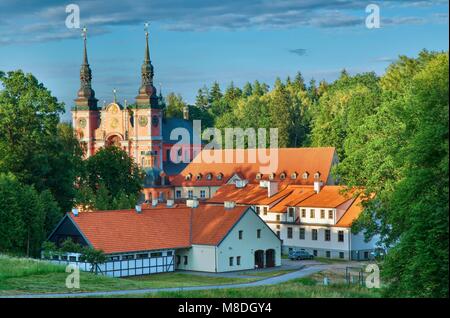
(148,109)
(85,114)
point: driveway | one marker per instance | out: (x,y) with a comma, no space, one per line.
(306,271)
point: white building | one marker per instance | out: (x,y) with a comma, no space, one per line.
(154,239)
(314,218)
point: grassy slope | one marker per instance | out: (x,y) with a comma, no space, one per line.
(298,288)
(18,276)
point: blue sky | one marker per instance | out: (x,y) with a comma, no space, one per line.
(195,42)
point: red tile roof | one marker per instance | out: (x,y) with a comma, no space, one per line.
(328,197)
(290,160)
(250,194)
(298,193)
(156,228)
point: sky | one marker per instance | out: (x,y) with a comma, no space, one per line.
(196,42)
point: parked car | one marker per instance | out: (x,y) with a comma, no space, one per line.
(298,255)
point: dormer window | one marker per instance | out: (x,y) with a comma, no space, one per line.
(199,176)
(317,175)
(209,176)
(282,176)
(188,177)
(305,175)
(294,175)
(258,176)
(272,176)
(219,176)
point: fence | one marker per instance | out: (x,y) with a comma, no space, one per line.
(124,268)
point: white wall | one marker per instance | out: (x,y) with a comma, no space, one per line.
(209,191)
(200,258)
(232,246)
(317,215)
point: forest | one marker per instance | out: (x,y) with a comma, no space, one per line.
(390,132)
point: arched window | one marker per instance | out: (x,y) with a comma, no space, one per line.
(219,176)
(305,175)
(294,175)
(188,177)
(272,176)
(258,176)
(199,176)
(209,176)
(282,176)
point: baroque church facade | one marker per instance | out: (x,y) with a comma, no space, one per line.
(139,128)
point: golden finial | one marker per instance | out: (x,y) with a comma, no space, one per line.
(84,32)
(146,24)
(114,93)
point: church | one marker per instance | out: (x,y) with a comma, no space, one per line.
(139,128)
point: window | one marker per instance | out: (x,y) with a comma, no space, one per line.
(315,252)
(202,194)
(178,194)
(330,214)
(142,255)
(219,176)
(291,212)
(169,253)
(114,258)
(303,213)
(188,177)
(178,259)
(199,176)
(366,255)
(185,258)
(278,233)
(314,235)
(190,194)
(258,233)
(231,261)
(258,210)
(341,254)
(265,210)
(258,176)
(278,217)
(322,214)
(311,213)
(340,236)
(302,233)
(305,175)
(209,176)
(72,258)
(328,254)
(158,254)
(289,232)
(272,176)
(125,257)
(238,261)
(327,235)
(240,234)
(282,176)
(294,175)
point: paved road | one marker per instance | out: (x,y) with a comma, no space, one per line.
(263,282)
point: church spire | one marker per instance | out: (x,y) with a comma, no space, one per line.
(86,95)
(147,92)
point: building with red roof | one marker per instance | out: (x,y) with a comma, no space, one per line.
(210,238)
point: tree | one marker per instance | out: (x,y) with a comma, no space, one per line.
(33,146)
(110,173)
(69,246)
(22,215)
(175,106)
(215,94)
(93,257)
(400,152)
(202,98)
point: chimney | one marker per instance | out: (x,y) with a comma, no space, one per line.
(317,183)
(192,203)
(229,204)
(154,202)
(138,208)
(272,188)
(170,203)
(75,212)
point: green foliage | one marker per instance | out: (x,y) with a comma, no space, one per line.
(69,246)
(400,153)
(22,215)
(174,106)
(32,145)
(111,180)
(93,257)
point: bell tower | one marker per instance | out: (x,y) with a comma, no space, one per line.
(85,114)
(148,109)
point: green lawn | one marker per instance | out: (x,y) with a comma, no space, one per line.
(298,288)
(18,276)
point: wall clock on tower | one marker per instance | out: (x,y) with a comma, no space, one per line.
(82,122)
